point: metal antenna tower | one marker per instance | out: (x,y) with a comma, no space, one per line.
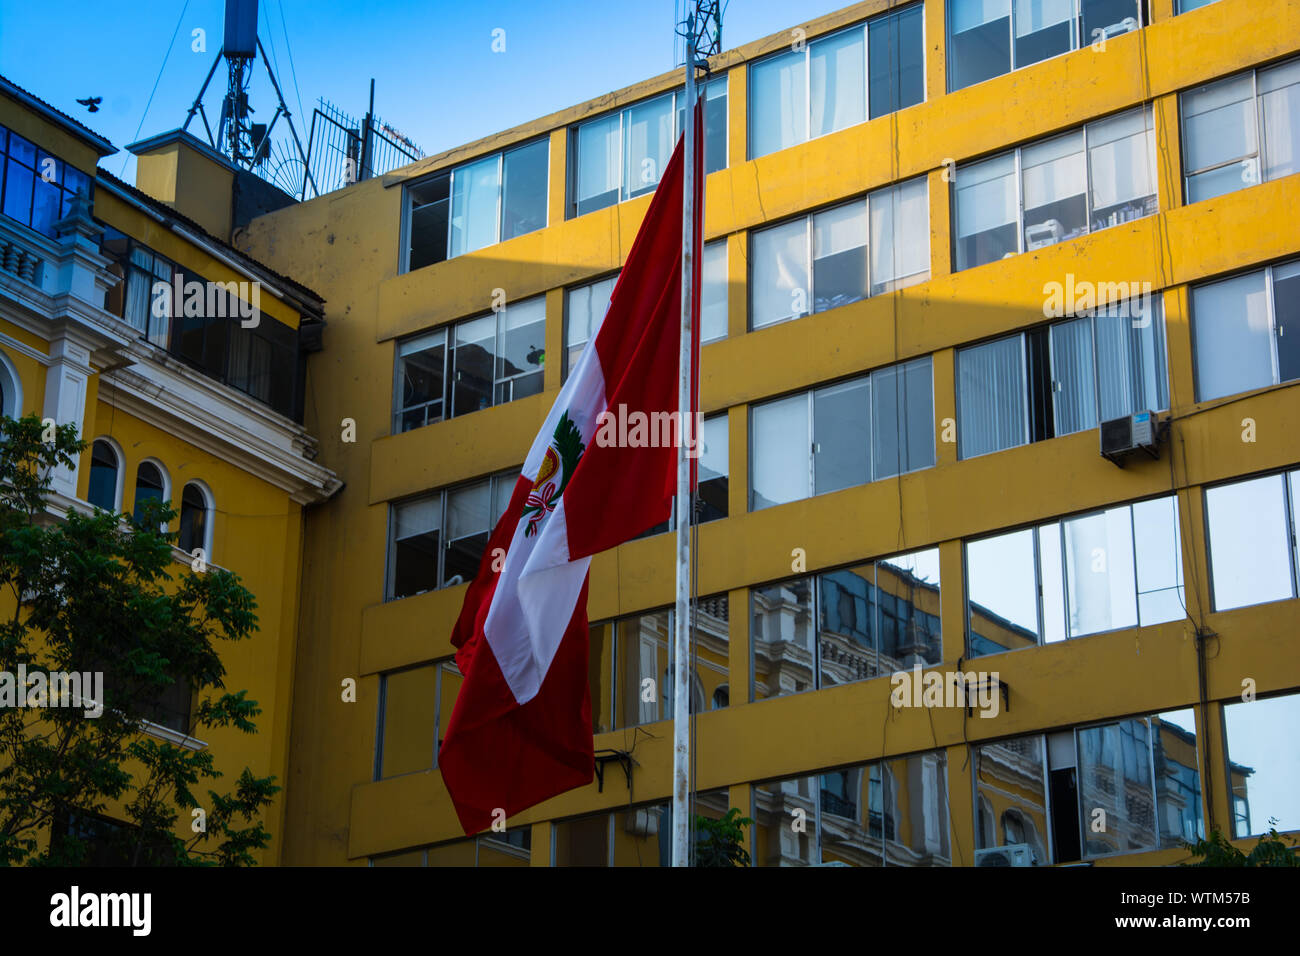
(245,143)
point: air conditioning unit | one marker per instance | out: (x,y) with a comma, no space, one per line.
(1013,854)
(1122,436)
(1042,234)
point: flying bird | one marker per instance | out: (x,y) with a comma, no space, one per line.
(92,103)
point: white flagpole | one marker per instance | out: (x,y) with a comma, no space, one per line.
(686,426)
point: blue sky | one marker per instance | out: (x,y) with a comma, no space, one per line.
(436,76)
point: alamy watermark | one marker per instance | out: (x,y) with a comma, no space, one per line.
(214,300)
(71,689)
(1130,300)
(619,428)
(979,689)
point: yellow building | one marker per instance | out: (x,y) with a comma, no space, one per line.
(945,241)
(199,406)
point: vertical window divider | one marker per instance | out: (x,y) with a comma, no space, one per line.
(451,192)
(1065,577)
(378,768)
(1025,430)
(1274,358)
(1050,840)
(1038,578)
(1087,189)
(808,230)
(812,444)
(437,710)
(1020,201)
(501,193)
(1288,505)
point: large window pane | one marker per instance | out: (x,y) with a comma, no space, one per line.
(781,637)
(842,436)
(599,156)
(1055,186)
(416,540)
(474,364)
(915,796)
(1011,797)
(1099,578)
(1234,347)
(474,198)
(585,308)
(1219,137)
(900,236)
(430,209)
(779,274)
(907,587)
(469,523)
(1250,547)
(421,372)
(1074,404)
(917,448)
(991,406)
(1115,777)
(780,453)
(888,425)
(778,103)
(1286,319)
(776,806)
(1044,28)
(837,67)
(713,292)
(1120,163)
(986,211)
(1178,778)
(1279,118)
(896,58)
(1130,352)
(524,190)
(1102,19)
(647,143)
(847,646)
(641,665)
(521,352)
(1002,591)
(839,256)
(713,468)
(979,41)
(1157,538)
(1264,764)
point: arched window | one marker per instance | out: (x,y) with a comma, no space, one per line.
(196,520)
(11,388)
(105,476)
(150,485)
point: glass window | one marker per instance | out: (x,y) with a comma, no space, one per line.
(521,349)
(992,413)
(779,469)
(421,378)
(1011,795)
(713,292)
(1241,130)
(584,310)
(430,205)
(863,429)
(896,57)
(1055,183)
(839,263)
(1098,176)
(1239,330)
(524,188)
(889,813)
(778,103)
(1249,529)
(829,84)
(1054,380)
(38,187)
(831,247)
(779,274)
(413,559)
(1113,569)
(1176,761)
(1263,764)
(584,841)
(475,189)
(149,485)
(1044,28)
(473,364)
(986,211)
(194,520)
(979,41)
(104,470)
(713,469)
(1115,777)
(623,154)
(874,619)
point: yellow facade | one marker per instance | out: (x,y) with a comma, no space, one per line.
(362,785)
(347,244)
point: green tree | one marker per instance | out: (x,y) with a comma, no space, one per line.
(722,842)
(1270,850)
(94,593)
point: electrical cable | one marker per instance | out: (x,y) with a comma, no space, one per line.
(179,20)
(293,70)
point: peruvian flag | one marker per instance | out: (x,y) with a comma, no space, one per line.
(521,729)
